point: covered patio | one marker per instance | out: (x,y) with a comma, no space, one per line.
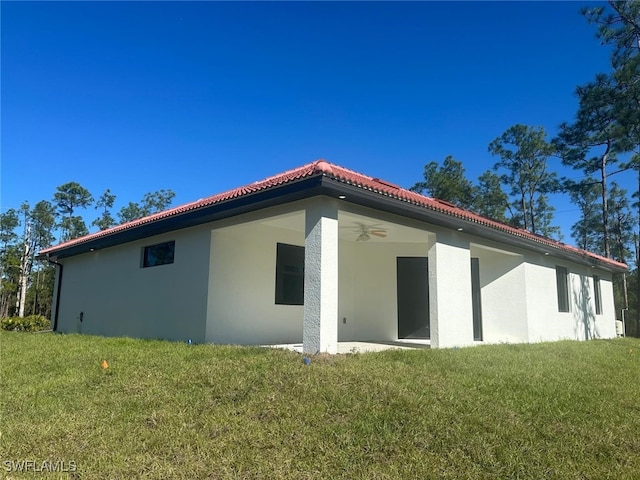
(360,275)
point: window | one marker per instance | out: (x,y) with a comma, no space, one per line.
(289,275)
(476,299)
(562,278)
(598,294)
(160,254)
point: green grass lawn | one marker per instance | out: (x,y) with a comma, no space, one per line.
(168,410)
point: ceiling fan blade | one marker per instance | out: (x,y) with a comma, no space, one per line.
(378,233)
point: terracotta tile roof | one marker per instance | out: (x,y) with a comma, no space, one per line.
(350,177)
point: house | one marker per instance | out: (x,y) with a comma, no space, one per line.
(321,254)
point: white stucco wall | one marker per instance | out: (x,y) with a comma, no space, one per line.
(320,326)
(242,307)
(519,297)
(605,322)
(584,324)
(502,289)
(346,291)
(546,323)
(450,291)
(119,298)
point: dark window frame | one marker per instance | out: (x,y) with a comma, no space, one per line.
(562,288)
(476,299)
(158,254)
(597,294)
(289,281)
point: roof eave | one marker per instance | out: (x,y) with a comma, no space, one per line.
(398,206)
(321,183)
(285,193)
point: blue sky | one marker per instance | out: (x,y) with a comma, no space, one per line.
(201,97)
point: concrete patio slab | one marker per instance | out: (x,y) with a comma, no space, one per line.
(363,347)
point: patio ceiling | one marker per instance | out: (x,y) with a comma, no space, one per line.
(349,225)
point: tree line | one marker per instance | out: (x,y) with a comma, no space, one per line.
(26,285)
(601,141)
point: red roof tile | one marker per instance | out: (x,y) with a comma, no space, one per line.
(341,174)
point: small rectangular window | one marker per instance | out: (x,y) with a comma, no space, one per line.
(289,275)
(562,282)
(598,294)
(160,254)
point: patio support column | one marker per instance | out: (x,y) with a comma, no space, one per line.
(320,327)
(450,307)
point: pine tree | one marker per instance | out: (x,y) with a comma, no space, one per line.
(585,231)
(523,153)
(153,202)
(446,182)
(68,198)
(105,202)
(593,141)
(489,199)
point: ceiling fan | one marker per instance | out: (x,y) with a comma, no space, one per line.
(365,231)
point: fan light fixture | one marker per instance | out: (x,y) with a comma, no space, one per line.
(366,232)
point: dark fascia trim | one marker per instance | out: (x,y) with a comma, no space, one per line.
(390,204)
(281,194)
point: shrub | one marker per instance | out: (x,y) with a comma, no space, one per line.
(32,323)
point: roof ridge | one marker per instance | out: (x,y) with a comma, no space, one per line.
(286,172)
